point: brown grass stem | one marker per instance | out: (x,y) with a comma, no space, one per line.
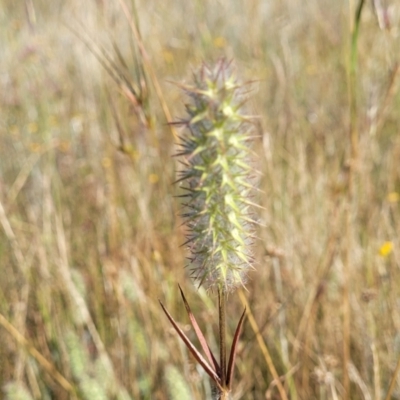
(393,380)
(42,361)
(353,139)
(263,346)
(150,69)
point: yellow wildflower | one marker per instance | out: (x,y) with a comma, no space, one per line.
(393,197)
(386,249)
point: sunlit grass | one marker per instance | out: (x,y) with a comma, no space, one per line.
(89,230)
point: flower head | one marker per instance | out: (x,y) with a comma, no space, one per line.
(217,179)
(385,249)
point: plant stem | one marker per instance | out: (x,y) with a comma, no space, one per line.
(263,346)
(352,81)
(353,139)
(222,334)
(393,381)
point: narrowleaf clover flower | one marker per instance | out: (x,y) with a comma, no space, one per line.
(217,179)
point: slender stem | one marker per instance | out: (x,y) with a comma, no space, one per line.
(353,139)
(41,360)
(352,81)
(263,346)
(393,381)
(222,333)
(149,66)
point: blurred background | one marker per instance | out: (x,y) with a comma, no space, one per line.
(90,232)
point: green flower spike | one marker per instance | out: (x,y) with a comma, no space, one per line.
(217,179)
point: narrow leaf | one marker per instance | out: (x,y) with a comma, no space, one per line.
(196,354)
(200,335)
(232,356)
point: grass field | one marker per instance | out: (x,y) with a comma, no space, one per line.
(90,231)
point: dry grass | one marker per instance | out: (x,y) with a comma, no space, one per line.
(89,236)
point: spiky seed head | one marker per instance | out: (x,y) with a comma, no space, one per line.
(217,179)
